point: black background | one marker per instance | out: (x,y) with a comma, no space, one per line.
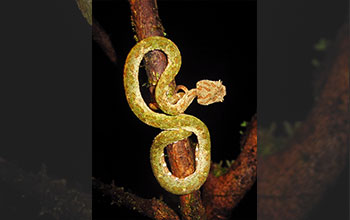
(45,98)
(216,41)
(287,33)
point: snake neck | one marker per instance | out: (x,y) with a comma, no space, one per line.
(177,103)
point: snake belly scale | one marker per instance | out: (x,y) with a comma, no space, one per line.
(175,125)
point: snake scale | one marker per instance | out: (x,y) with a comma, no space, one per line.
(175,124)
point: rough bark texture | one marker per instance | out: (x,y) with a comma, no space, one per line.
(292,182)
(146,22)
(182,165)
(153,208)
(222,194)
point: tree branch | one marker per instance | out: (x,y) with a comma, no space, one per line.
(146,22)
(153,208)
(98,33)
(101,37)
(235,183)
(221,194)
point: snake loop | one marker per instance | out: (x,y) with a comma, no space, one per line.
(175,124)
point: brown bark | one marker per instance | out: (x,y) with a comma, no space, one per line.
(101,37)
(153,208)
(222,194)
(292,182)
(182,165)
(146,22)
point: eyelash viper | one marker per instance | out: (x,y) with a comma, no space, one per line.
(175,124)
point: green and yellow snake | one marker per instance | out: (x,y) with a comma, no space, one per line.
(175,124)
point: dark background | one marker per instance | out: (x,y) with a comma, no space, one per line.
(45,98)
(216,41)
(287,33)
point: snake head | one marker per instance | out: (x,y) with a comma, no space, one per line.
(209,92)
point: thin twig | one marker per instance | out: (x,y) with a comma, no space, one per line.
(153,208)
(101,37)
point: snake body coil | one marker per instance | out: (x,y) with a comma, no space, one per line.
(176,127)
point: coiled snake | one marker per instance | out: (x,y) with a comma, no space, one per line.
(175,124)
